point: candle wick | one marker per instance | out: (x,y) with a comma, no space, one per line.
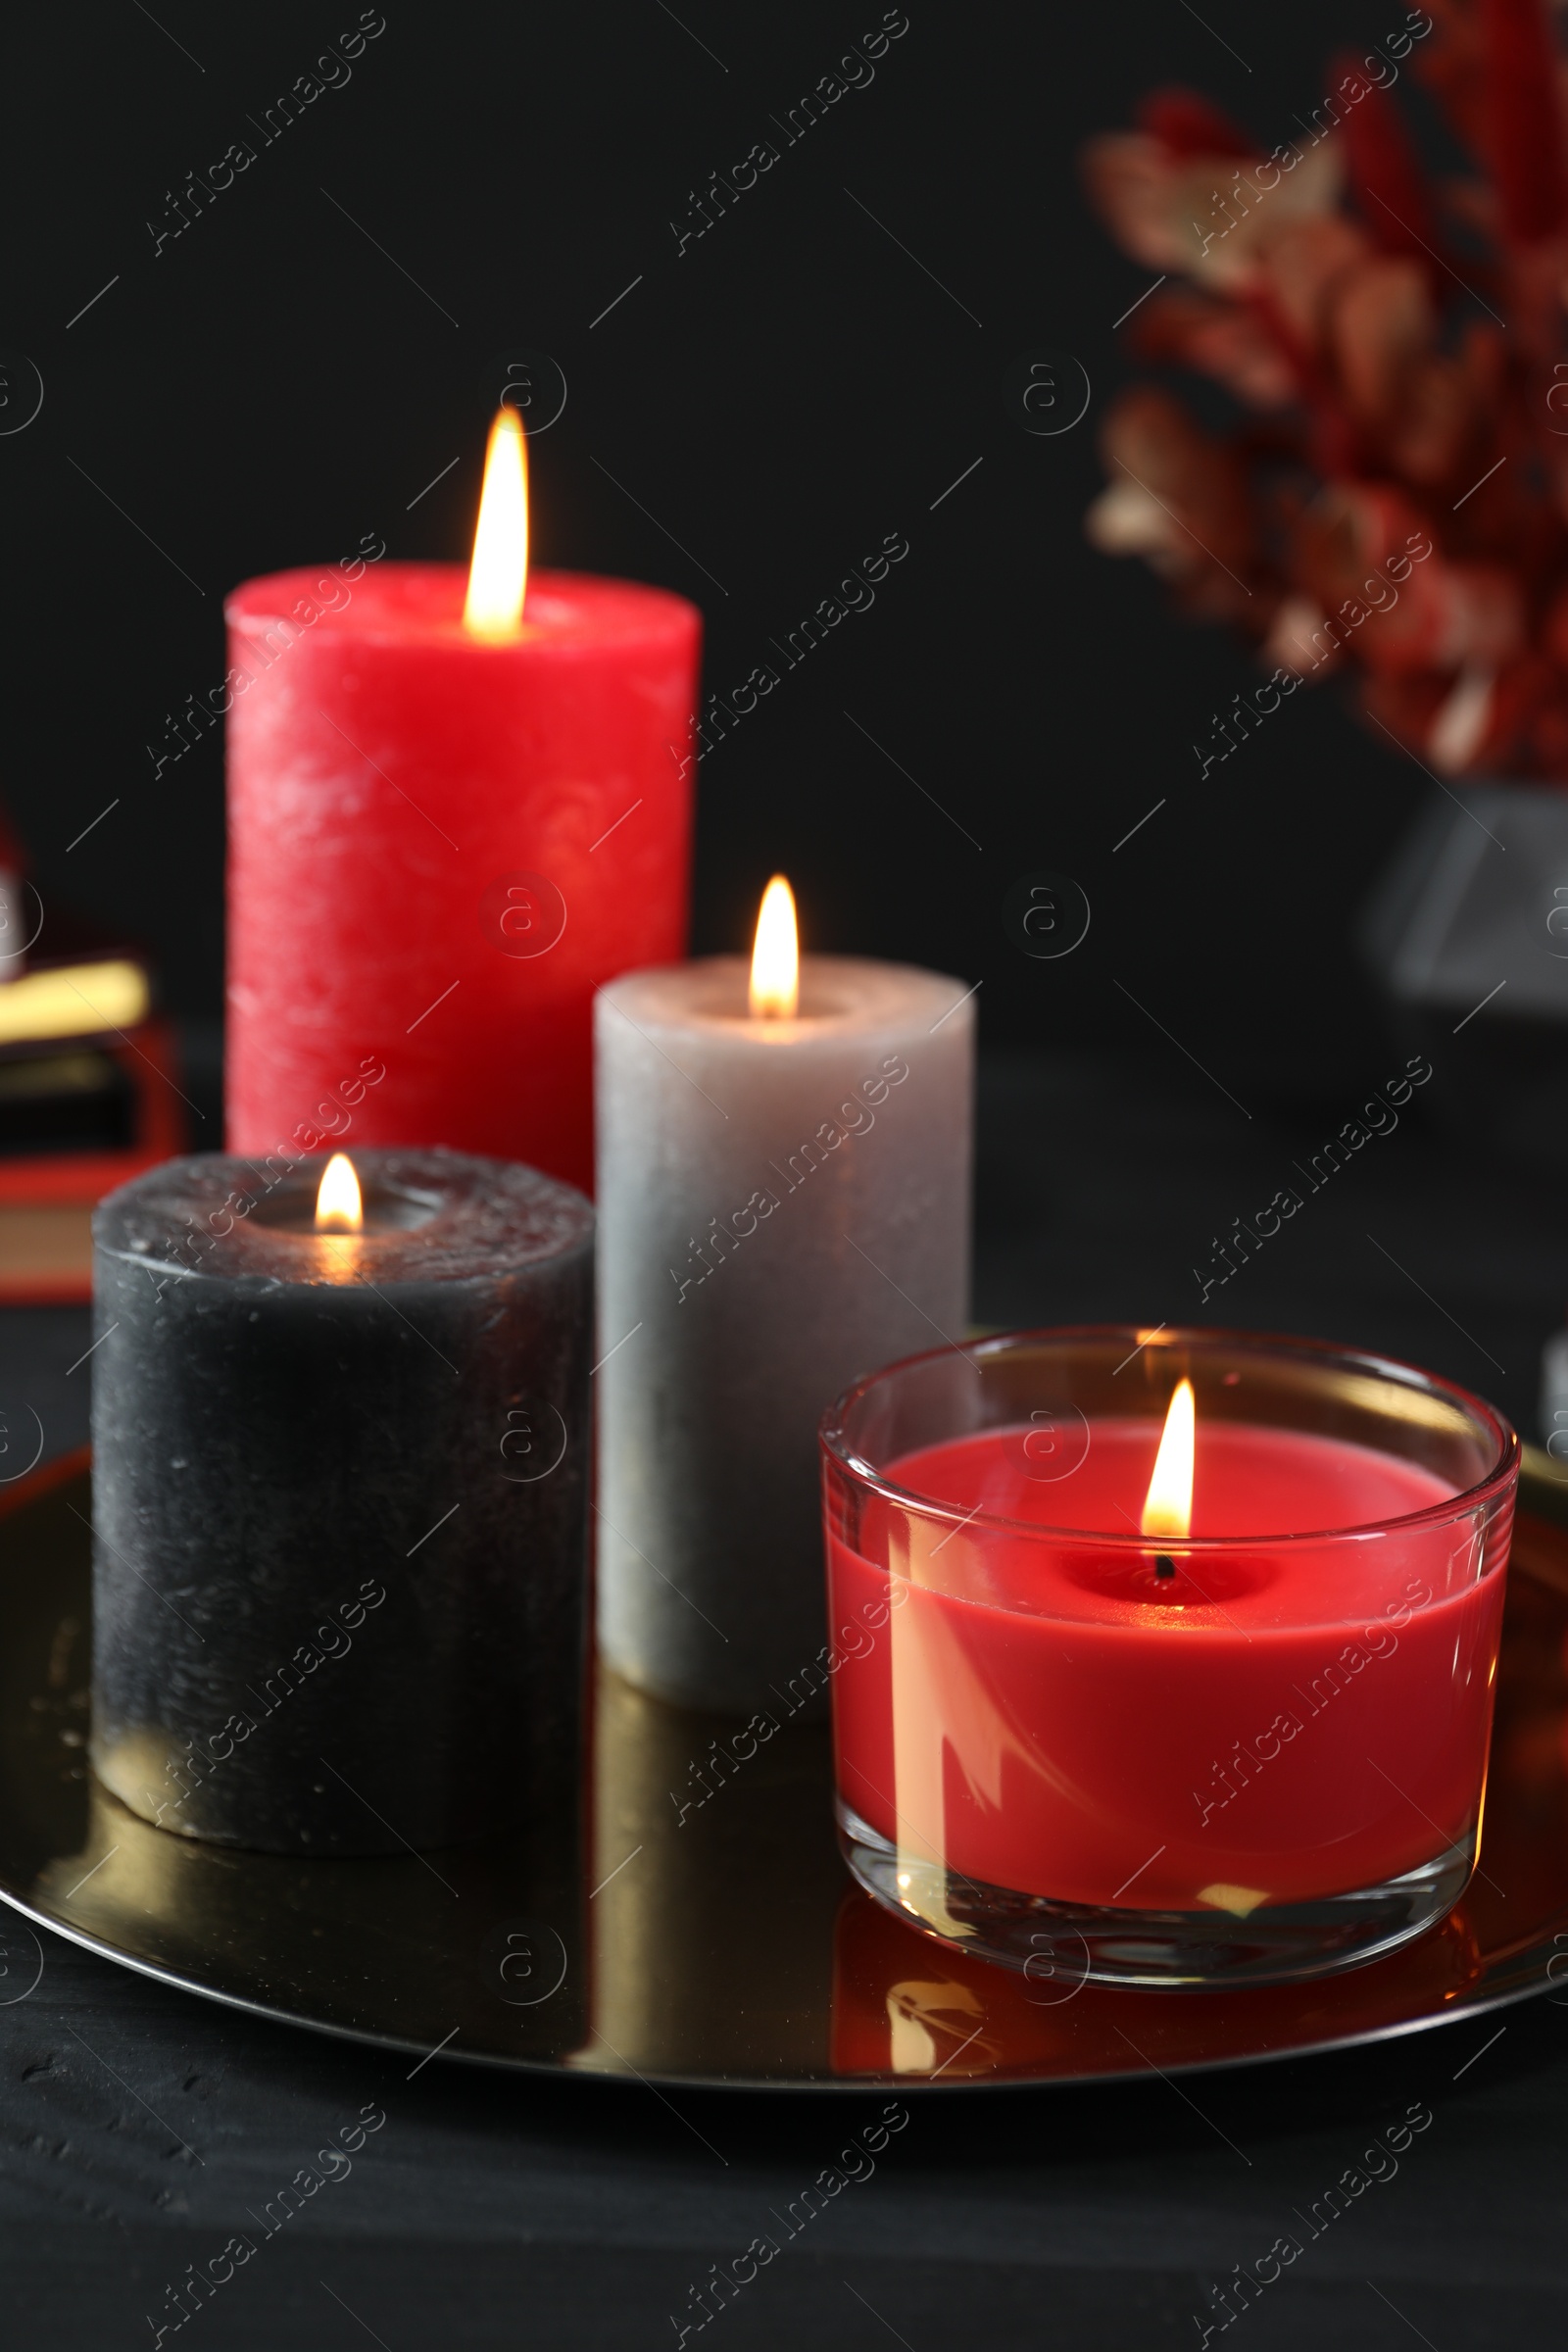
(1164,1565)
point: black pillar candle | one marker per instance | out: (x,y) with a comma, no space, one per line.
(340,1483)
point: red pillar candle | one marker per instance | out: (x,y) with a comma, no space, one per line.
(1235,1728)
(443,837)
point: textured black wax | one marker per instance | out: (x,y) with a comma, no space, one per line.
(339,1501)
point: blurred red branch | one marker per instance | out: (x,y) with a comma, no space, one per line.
(1399,352)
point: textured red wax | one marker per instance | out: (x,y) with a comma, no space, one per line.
(439,847)
(1266,1724)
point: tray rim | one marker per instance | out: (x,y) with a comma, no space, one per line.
(1482,2006)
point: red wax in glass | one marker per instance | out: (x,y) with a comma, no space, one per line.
(439,847)
(1279,1720)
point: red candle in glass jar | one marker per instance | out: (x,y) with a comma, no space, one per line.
(1253,1719)
(452,815)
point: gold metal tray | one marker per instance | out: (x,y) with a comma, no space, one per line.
(707,1942)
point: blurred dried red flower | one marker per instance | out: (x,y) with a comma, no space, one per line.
(1395,501)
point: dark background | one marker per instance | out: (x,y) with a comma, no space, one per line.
(794,387)
(780,396)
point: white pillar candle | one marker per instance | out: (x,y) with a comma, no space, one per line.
(783,1205)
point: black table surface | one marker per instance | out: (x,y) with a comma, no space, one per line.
(141,2128)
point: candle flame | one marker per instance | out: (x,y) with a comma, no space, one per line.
(1168,1508)
(498,576)
(339,1207)
(775,993)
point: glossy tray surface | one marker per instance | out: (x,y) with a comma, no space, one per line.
(711,1940)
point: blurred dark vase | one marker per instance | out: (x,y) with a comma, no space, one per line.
(1466,934)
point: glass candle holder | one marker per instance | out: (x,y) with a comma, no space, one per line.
(1251,1752)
